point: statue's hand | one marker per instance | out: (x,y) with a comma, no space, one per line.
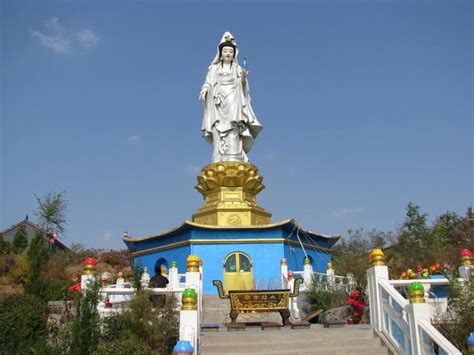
(245,73)
(202,94)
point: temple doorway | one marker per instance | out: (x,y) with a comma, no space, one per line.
(238,272)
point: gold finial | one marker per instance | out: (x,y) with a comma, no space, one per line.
(189,300)
(416,292)
(89,266)
(330,266)
(192,263)
(377,257)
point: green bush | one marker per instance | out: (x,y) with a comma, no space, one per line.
(145,324)
(20,240)
(23,324)
(5,247)
(322,296)
(458,321)
(18,273)
(125,346)
(85,328)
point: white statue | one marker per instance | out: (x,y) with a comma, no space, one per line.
(229,122)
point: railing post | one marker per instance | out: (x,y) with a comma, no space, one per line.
(173,275)
(331,275)
(145,279)
(201,288)
(284,273)
(417,310)
(377,272)
(466,263)
(88,276)
(307,273)
(189,318)
(191,303)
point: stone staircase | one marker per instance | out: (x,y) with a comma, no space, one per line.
(353,339)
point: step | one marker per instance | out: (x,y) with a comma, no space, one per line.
(272,344)
(255,334)
(355,350)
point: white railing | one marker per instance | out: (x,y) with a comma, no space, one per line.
(406,325)
(116,298)
(329,279)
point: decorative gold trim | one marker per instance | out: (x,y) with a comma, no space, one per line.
(194,224)
(228,241)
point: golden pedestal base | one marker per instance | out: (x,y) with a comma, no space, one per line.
(230,190)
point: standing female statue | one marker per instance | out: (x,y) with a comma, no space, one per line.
(229,122)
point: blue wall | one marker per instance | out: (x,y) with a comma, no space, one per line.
(178,254)
(265,261)
(295,258)
(265,256)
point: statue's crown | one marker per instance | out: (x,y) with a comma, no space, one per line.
(228,38)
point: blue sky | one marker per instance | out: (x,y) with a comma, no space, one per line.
(366,105)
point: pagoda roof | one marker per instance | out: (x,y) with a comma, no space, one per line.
(289,224)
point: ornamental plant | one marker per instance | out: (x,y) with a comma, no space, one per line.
(357,305)
(423,273)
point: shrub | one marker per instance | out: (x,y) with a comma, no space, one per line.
(18,273)
(22,324)
(321,295)
(37,258)
(20,240)
(125,346)
(458,321)
(5,247)
(145,325)
(85,328)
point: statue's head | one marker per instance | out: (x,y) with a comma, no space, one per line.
(227,51)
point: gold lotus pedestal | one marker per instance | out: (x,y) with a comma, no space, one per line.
(230,195)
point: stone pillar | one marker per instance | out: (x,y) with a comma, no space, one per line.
(307,273)
(88,277)
(376,272)
(189,318)
(284,273)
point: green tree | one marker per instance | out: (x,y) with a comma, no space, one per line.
(5,246)
(350,254)
(85,330)
(52,212)
(413,236)
(37,258)
(20,240)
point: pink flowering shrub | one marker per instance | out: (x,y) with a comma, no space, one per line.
(357,305)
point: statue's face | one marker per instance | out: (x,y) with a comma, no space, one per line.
(227,54)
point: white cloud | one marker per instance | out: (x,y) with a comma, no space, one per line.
(62,40)
(134,139)
(87,38)
(343,212)
(108,236)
